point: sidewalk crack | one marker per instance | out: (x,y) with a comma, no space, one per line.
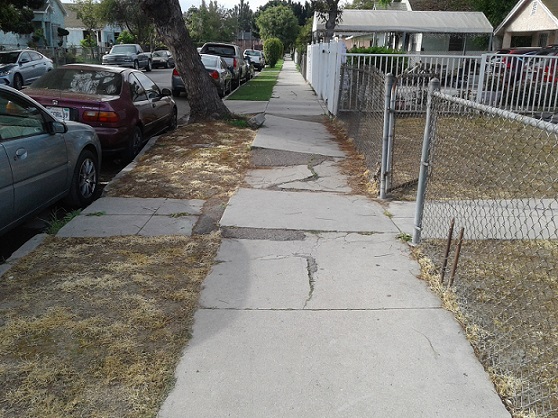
(311,269)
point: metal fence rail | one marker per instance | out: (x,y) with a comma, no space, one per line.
(496,174)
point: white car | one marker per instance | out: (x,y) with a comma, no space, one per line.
(256,58)
(21,67)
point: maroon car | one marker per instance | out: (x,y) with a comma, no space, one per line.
(123,105)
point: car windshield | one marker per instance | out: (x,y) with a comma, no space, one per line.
(81,81)
(123,49)
(209,61)
(159,54)
(250,52)
(8,57)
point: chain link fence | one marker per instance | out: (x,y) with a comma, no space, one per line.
(495,174)
(361,109)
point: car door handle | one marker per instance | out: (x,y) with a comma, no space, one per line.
(20,154)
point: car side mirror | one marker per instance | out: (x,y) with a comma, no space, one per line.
(23,61)
(57,127)
(166,92)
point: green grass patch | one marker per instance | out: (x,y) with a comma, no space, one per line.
(260,87)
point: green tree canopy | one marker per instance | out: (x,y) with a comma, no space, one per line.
(16,15)
(211,23)
(127,15)
(278,22)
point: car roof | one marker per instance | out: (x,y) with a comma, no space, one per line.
(110,68)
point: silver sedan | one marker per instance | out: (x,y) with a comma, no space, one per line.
(42,159)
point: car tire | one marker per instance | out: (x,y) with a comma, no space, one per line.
(134,144)
(175,93)
(18,81)
(174,121)
(85,180)
(136,65)
(148,68)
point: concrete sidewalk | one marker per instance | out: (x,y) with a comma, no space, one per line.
(314,308)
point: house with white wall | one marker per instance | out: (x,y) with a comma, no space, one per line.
(529,23)
(105,35)
(47,20)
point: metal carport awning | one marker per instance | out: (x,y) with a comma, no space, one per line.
(366,21)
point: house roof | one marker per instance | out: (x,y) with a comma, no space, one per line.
(71,20)
(550,5)
(358,21)
(47,4)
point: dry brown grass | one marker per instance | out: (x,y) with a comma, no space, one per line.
(95,326)
(198,161)
(98,329)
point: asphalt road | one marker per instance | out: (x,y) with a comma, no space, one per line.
(13,239)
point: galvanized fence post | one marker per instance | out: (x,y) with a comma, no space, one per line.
(388,112)
(429,129)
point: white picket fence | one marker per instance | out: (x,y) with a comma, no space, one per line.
(527,85)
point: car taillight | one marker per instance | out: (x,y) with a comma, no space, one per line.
(175,72)
(235,64)
(96,116)
(214,74)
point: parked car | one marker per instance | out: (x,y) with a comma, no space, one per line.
(257,58)
(162,58)
(42,159)
(543,66)
(232,56)
(19,68)
(128,55)
(123,105)
(217,69)
(511,64)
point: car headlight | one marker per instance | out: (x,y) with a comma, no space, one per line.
(5,72)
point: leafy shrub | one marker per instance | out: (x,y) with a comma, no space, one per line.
(273,51)
(395,65)
(126,37)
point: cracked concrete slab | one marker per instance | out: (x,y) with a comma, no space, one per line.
(324,177)
(253,208)
(114,216)
(297,136)
(266,178)
(393,363)
(325,271)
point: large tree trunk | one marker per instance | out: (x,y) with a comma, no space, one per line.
(203,97)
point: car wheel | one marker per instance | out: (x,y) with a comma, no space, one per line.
(148,68)
(18,82)
(175,93)
(84,181)
(174,121)
(134,144)
(136,65)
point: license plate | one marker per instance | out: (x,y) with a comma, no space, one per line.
(62,113)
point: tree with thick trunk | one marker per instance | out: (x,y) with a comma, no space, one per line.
(205,103)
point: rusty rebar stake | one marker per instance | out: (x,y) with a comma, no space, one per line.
(456,260)
(448,247)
